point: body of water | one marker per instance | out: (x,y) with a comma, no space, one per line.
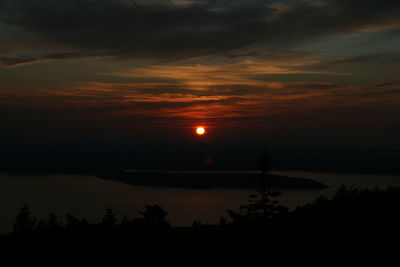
(86,195)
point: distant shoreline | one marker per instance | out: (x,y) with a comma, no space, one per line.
(50,171)
(206,179)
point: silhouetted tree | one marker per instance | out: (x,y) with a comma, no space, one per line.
(109,218)
(41,226)
(24,222)
(222,221)
(75,223)
(53,223)
(197,223)
(154,215)
(262,204)
(125,220)
(265,163)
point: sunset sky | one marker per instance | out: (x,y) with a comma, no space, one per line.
(280,71)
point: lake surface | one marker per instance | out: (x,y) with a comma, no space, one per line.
(86,195)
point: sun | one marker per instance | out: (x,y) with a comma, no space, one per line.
(200,130)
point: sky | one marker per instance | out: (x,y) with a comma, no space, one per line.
(250,71)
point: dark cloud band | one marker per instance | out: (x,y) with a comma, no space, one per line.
(181,29)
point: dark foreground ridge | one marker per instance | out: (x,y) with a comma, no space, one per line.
(205,180)
(354,228)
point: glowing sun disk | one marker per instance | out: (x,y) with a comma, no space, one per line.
(200,130)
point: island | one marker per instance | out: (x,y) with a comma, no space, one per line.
(206,180)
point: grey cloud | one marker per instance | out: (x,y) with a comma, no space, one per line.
(166,29)
(364,59)
(390,83)
(17,61)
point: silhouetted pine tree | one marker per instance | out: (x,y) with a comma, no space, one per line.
(24,222)
(74,223)
(265,163)
(109,218)
(262,204)
(125,220)
(53,223)
(154,215)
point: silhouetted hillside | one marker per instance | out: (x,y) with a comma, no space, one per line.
(354,228)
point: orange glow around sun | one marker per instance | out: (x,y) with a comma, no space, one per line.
(200,130)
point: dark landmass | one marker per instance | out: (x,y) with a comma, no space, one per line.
(354,228)
(206,180)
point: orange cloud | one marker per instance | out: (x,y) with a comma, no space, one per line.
(202,77)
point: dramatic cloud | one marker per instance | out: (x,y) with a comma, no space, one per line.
(181,29)
(130,66)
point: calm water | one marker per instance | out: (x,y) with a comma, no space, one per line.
(85,195)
